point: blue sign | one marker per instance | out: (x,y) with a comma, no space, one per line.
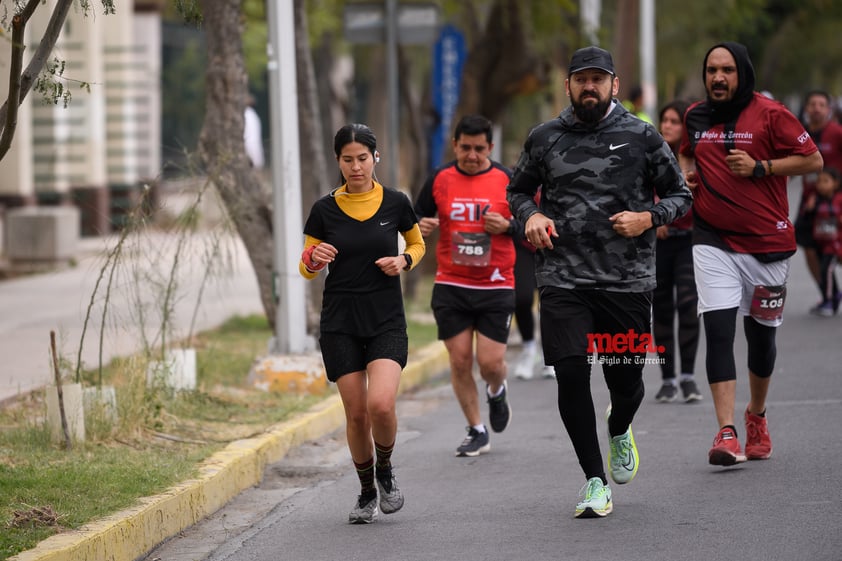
(448,59)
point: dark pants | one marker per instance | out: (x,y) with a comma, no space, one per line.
(525,285)
(569,320)
(675,294)
(827,279)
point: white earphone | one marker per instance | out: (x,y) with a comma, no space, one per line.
(377,157)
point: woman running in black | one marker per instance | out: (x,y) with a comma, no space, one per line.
(354,232)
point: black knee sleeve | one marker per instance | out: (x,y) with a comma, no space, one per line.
(762,350)
(720,328)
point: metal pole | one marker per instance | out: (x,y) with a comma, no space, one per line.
(290,316)
(647,58)
(591,12)
(394,99)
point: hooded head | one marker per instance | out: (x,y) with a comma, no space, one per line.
(724,111)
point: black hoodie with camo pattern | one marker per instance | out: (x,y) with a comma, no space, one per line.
(588,173)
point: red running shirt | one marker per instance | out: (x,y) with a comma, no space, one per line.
(748,214)
(467,255)
(829,141)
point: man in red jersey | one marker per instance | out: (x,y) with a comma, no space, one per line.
(827,134)
(474,285)
(737,150)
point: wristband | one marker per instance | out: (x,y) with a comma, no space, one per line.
(408,259)
(307,259)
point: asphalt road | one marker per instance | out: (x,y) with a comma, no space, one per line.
(517,501)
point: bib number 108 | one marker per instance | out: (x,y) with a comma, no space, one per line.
(767,302)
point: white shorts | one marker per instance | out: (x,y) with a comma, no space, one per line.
(727,280)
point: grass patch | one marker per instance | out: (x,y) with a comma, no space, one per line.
(158,440)
(87,483)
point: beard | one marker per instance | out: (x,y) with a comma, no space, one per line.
(720,89)
(591,113)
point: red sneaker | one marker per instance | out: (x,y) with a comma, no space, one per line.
(758,442)
(726,449)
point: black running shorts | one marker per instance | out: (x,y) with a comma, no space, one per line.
(488,311)
(343,353)
(613,323)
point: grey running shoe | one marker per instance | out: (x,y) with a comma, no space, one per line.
(824,309)
(499,410)
(690,391)
(475,443)
(596,500)
(365,511)
(623,459)
(391,498)
(667,393)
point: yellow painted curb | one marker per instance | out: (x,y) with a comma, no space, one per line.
(134,532)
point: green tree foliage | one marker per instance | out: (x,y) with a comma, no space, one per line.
(794,44)
(805,52)
(255,38)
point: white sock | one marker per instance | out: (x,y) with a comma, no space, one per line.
(488,391)
(480,428)
(685,377)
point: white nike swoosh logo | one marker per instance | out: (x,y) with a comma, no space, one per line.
(384,223)
(612,147)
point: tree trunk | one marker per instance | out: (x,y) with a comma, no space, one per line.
(626,46)
(501,63)
(418,149)
(314,177)
(221,146)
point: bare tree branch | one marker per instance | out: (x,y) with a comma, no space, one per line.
(20,84)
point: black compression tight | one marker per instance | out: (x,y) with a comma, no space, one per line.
(576,407)
(720,330)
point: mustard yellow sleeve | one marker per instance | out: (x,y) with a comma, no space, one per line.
(308,241)
(415,246)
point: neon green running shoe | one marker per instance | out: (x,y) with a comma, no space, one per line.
(623,459)
(596,500)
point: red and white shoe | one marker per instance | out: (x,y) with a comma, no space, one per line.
(726,450)
(758,441)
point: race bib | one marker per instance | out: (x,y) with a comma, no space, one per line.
(767,302)
(471,248)
(825,230)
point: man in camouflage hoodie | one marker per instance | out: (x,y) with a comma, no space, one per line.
(600,168)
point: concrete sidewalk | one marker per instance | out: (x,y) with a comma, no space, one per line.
(59,301)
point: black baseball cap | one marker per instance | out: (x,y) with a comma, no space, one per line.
(591,57)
